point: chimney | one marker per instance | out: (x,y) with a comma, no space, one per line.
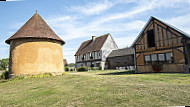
(93,38)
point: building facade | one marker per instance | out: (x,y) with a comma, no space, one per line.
(121,58)
(164,45)
(93,53)
(35,49)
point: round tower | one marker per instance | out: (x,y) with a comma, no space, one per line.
(35,49)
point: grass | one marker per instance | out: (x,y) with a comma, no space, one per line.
(98,88)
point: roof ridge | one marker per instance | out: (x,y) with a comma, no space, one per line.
(88,46)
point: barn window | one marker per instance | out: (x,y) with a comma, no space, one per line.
(154,58)
(147,59)
(169,57)
(161,58)
(151,38)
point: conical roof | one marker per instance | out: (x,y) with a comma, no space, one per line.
(35,27)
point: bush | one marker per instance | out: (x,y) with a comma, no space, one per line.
(83,68)
(71,69)
(131,71)
(95,68)
(5,75)
(66,68)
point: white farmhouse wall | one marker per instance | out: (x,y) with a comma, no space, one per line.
(107,48)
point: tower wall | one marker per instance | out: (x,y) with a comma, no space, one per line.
(35,56)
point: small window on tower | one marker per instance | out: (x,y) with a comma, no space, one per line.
(151,38)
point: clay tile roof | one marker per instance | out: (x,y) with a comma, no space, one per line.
(90,46)
(35,27)
(121,52)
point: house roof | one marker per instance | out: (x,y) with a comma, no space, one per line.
(35,27)
(90,45)
(65,61)
(121,52)
(153,18)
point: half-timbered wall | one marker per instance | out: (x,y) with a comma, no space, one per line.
(165,37)
(168,42)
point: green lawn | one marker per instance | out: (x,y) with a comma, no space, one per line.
(98,88)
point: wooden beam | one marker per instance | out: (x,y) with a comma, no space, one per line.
(167,36)
(166,28)
(154,34)
(172,38)
(163,37)
(158,35)
(135,60)
(180,51)
(143,41)
(184,50)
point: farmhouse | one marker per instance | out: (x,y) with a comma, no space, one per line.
(121,58)
(65,62)
(35,48)
(161,47)
(93,52)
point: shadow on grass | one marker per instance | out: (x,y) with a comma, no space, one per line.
(120,73)
(2,81)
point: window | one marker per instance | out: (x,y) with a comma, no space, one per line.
(161,58)
(169,57)
(151,38)
(91,57)
(154,57)
(147,59)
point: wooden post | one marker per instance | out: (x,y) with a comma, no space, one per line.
(135,60)
(154,34)
(185,51)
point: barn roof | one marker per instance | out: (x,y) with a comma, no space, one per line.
(121,52)
(171,26)
(90,45)
(35,27)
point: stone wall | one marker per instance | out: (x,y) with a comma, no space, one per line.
(178,68)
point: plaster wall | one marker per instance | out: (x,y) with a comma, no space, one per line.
(35,56)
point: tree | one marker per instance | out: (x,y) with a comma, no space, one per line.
(4,63)
(71,65)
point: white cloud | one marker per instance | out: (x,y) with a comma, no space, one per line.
(93,8)
(58,19)
(143,6)
(125,41)
(181,22)
(14,0)
(2,43)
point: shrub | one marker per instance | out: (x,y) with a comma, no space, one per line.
(131,71)
(95,68)
(66,68)
(71,69)
(5,75)
(83,68)
(157,67)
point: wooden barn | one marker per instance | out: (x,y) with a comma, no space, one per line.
(161,47)
(121,58)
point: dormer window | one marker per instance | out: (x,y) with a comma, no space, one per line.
(151,38)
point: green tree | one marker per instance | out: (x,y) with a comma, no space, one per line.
(71,65)
(4,63)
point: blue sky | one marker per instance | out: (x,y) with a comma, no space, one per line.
(77,20)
